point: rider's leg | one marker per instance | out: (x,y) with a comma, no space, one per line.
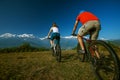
(51,43)
(94,36)
(80,40)
(82,31)
(51,40)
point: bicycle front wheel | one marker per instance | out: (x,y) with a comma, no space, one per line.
(104,60)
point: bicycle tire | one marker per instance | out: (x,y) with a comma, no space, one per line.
(53,52)
(58,53)
(81,56)
(107,66)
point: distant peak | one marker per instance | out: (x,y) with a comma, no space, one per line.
(8,35)
(26,36)
(69,37)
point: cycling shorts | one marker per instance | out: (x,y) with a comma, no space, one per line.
(55,36)
(92,28)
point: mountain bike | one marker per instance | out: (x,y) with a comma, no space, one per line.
(103,58)
(56,49)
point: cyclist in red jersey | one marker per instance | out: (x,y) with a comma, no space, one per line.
(90,25)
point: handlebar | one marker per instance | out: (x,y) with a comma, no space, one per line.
(47,38)
(85,38)
(74,34)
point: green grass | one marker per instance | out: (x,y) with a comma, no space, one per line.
(43,66)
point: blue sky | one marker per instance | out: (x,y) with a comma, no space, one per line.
(36,16)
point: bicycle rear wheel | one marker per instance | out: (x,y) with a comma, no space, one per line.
(53,51)
(81,56)
(58,53)
(104,60)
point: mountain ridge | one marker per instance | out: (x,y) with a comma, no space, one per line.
(13,40)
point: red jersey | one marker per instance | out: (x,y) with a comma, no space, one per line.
(85,17)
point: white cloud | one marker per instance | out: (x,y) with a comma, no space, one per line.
(73,37)
(8,35)
(66,37)
(103,39)
(43,38)
(69,37)
(26,36)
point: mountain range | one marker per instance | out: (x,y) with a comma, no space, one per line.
(14,40)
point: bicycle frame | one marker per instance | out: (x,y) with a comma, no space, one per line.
(56,41)
(88,41)
(56,50)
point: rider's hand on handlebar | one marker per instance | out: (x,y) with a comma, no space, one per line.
(48,37)
(73,34)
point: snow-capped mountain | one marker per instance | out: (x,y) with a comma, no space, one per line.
(12,40)
(9,35)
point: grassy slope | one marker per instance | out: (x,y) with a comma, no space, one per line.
(42,66)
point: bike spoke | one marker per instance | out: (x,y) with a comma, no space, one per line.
(105,65)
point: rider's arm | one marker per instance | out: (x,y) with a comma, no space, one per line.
(49,32)
(75,26)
